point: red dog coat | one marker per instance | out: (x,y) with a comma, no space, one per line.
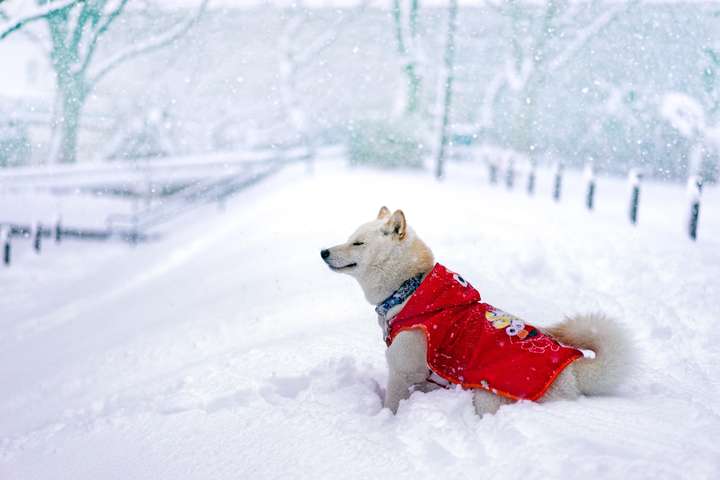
(476,345)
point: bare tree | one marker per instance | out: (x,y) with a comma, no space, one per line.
(14,21)
(296,57)
(543,40)
(447,88)
(408,47)
(76,29)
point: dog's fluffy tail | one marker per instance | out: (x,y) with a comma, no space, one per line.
(610,343)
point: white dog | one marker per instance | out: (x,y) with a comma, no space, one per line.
(393,266)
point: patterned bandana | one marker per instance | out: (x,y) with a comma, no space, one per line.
(399,296)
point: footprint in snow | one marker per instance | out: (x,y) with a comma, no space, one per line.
(284,387)
(180,402)
(337,384)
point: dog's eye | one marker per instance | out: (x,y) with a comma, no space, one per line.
(357,244)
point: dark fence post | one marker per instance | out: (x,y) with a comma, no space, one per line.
(694,190)
(634,178)
(557,188)
(492,172)
(510,174)
(37,241)
(590,195)
(531,179)
(5,241)
(135,232)
(58,230)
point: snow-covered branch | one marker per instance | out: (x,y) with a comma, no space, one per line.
(687,115)
(325,40)
(587,33)
(449,75)
(517,78)
(529,57)
(108,19)
(16,22)
(148,45)
(487,109)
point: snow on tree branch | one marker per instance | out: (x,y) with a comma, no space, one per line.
(148,45)
(491,92)
(109,18)
(15,22)
(324,41)
(517,78)
(684,113)
(587,33)
(688,116)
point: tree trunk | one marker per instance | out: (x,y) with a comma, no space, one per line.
(524,121)
(448,88)
(407,49)
(291,99)
(66,128)
(411,68)
(414,85)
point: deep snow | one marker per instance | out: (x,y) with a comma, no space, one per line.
(229,350)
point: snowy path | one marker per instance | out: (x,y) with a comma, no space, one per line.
(230,351)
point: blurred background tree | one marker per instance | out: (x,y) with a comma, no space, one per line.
(76,31)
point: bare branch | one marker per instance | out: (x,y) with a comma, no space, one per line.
(330,36)
(399,34)
(110,17)
(487,109)
(586,34)
(149,45)
(43,11)
(77,27)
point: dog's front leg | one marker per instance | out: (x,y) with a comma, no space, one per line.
(407,365)
(398,388)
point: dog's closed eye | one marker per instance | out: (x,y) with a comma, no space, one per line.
(357,244)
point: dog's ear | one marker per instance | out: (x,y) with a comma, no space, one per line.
(396,224)
(384,212)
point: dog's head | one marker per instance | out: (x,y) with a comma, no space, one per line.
(381,255)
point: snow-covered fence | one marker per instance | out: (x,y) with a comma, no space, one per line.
(8,231)
(557,184)
(492,172)
(213,189)
(634,178)
(202,192)
(590,193)
(203,181)
(510,174)
(694,191)
(38,236)
(531,180)
(5,241)
(139,177)
(493,159)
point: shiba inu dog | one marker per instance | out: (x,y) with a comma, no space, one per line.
(439,333)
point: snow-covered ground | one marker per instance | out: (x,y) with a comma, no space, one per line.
(229,350)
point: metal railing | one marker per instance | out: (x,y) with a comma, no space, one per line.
(195,182)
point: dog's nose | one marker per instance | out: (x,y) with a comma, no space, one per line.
(325,253)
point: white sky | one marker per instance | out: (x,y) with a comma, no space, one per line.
(308,3)
(382,3)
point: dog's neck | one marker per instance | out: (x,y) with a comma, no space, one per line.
(391,306)
(415,258)
(399,296)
